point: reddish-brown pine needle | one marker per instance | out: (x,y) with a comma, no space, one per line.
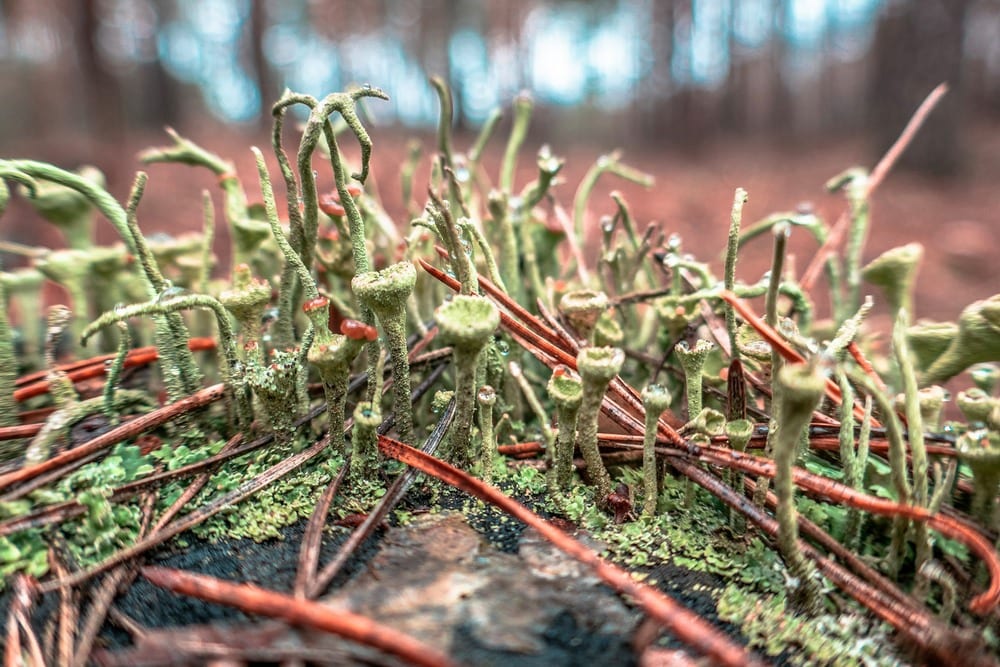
(300,612)
(36,383)
(127,430)
(783,348)
(875,179)
(684,624)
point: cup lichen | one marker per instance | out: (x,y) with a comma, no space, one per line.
(467,323)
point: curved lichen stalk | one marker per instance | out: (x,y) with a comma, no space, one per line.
(172,305)
(176,356)
(308,223)
(331,354)
(248,234)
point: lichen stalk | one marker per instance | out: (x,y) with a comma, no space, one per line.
(364,441)
(732,248)
(655,399)
(385,293)
(915,429)
(8,369)
(181,373)
(738,432)
(597,367)
(523,106)
(693,361)
(566,390)
(487,398)
(605,164)
(467,323)
(802,388)
(855,518)
(115,371)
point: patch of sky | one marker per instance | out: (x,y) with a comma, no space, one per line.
(752,20)
(233,93)
(316,70)
(216,20)
(709,42)
(614,55)
(553,35)
(471,70)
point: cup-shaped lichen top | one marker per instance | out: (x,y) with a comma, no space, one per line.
(655,399)
(981,450)
(335,354)
(565,388)
(709,422)
(607,331)
(582,308)
(599,365)
(247,299)
(386,290)
(975,404)
(739,432)
(801,389)
(986,377)
(67,208)
(978,340)
(467,322)
(895,271)
(928,340)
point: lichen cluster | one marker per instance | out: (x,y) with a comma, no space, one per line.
(333,289)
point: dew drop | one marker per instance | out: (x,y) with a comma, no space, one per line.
(674,241)
(502,347)
(487,394)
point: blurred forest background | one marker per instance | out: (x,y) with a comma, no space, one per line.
(774,95)
(671,71)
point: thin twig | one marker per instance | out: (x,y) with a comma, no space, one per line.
(875,179)
(303,613)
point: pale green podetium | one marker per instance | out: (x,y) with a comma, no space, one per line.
(247,300)
(655,399)
(8,378)
(693,361)
(597,367)
(980,450)
(487,398)
(738,432)
(566,391)
(582,308)
(68,209)
(385,292)
(364,444)
(466,323)
(802,387)
(332,355)
(978,340)
(975,405)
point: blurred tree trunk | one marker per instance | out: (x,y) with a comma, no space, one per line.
(781,116)
(654,105)
(265,81)
(918,44)
(102,94)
